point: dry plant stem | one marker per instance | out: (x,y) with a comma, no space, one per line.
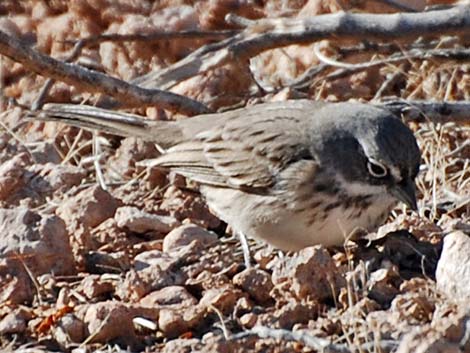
(436,112)
(436,54)
(39,102)
(388,83)
(154,37)
(274,33)
(93,81)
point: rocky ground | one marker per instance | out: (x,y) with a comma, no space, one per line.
(141,264)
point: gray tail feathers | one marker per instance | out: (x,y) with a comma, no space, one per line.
(164,133)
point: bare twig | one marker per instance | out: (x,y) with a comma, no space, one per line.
(437,112)
(267,34)
(39,102)
(154,37)
(94,81)
(238,20)
(389,82)
(348,69)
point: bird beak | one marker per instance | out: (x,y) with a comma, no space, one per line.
(405,192)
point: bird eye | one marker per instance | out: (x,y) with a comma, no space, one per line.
(376,169)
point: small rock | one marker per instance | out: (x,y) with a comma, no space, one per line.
(291,313)
(263,257)
(50,177)
(183,204)
(383,285)
(243,306)
(404,250)
(181,345)
(453,268)
(248,320)
(186,234)
(14,289)
(310,272)
(69,329)
(154,258)
(139,221)
(223,298)
(175,322)
(426,340)
(130,151)
(137,284)
(414,308)
(108,321)
(94,287)
(175,297)
(171,323)
(257,283)
(15,322)
(104,262)
(41,241)
(85,211)
(45,152)
(11,175)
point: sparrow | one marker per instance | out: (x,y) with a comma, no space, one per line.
(292,174)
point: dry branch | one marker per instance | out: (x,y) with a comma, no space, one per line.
(154,37)
(267,34)
(436,112)
(93,81)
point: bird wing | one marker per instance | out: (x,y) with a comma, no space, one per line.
(246,152)
(243,148)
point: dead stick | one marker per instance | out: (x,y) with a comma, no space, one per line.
(268,34)
(93,81)
(154,37)
(436,112)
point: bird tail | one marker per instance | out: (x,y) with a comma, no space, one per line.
(164,133)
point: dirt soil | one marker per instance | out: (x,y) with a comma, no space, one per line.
(139,263)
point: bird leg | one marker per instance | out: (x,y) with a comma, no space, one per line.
(245,249)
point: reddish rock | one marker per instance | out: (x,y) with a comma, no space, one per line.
(186,234)
(154,258)
(94,286)
(49,178)
(289,314)
(106,262)
(309,273)
(223,298)
(69,329)
(139,221)
(137,284)
(11,175)
(86,210)
(175,297)
(110,320)
(41,242)
(172,323)
(183,204)
(15,322)
(130,151)
(16,288)
(257,283)
(453,268)
(383,284)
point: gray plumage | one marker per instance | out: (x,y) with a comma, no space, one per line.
(270,165)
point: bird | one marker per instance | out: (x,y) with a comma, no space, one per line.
(293,174)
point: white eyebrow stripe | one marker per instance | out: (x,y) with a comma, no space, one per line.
(396,174)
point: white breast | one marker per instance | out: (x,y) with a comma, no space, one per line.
(266,218)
